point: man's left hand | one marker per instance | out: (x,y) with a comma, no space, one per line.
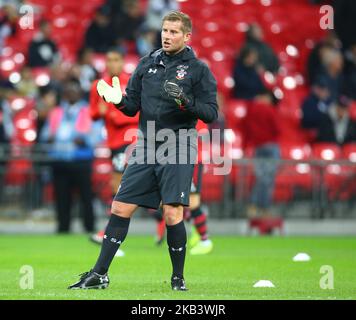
(175,91)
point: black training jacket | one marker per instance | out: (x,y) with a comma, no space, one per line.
(145,91)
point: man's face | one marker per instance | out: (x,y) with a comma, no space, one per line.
(72,92)
(114,63)
(341,111)
(46,30)
(173,38)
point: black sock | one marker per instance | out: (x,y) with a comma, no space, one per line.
(200,223)
(115,234)
(176,240)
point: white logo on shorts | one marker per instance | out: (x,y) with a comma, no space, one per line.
(182,195)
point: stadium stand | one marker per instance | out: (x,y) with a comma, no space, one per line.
(219,32)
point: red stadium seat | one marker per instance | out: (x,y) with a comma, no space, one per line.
(293,178)
(213,185)
(349,152)
(235,110)
(326,151)
(334,177)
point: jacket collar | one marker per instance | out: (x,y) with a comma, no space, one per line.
(184,55)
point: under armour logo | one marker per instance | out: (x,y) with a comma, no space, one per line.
(114,240)
(182,195)
(179,249)
(152,70)
(102,279)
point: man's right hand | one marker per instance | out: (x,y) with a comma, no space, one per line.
(111,94)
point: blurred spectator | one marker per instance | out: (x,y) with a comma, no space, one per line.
(6,124)
(72,137)
(100,35)
(332,71)
(42,50)
(345,22)
(156,10)
(6,133)
(84,71)
(266,56)
(350,72)
(27,87)
(59,74)
(146,41)
(8,20)
(261,131)
(316,104)
(314,64)
(46,102)
(126,25)
(248,82)
(336,126)
(115,7)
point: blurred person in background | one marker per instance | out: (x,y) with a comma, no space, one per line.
(42,50)
(27,87)
(156,10)
(45,103)
(8,20)
(115,7)
(315,104)
(314,63)
(100,35)
(6,132)
(127,24)
(261,132)
(116,124)
(59,74)
(350,72)
(345,22)
(267,58)
(247,75)
(336,126)
(332,71)
(84,71)
(72,137)
(146,41)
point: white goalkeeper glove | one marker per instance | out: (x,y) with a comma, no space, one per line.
(111,94)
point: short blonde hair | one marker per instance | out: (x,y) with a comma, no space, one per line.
(179,16)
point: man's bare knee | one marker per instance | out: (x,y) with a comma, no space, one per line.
(173,214)
(122,209)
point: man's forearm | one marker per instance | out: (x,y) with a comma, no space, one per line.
(126,107)
(206,112)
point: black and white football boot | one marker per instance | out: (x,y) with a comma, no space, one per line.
(178,284)
(91,280)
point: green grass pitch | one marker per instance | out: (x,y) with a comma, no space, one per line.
(229,272)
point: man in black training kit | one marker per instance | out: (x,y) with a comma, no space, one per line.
(172,89)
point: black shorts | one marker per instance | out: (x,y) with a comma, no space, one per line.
(146,185)
(119,158)
(196,185)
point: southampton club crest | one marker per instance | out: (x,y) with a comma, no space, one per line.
(181,72)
